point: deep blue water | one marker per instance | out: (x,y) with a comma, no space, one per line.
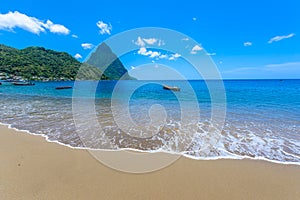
(258,118)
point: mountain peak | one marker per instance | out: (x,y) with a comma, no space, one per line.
(104,59)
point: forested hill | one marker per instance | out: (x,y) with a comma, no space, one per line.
(38,63)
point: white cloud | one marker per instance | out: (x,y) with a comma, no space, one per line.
(194,18)
(143,51)
(150,41)
(195,49)
(161,43)
(87,46)
(77,56)
(13,20)
(157,55)
(211,54)
(163,56)
(278,38)
(56,28)
(74,36)
(104,28)
(174,56)
(247,44)
(140,42)
(152,54)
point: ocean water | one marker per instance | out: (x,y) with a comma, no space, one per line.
(259,119)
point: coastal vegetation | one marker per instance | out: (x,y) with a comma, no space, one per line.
(38,63)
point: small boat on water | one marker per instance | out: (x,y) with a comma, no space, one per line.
(63,87)
(166,87)
(23,83)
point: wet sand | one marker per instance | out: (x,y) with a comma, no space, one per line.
(31,168)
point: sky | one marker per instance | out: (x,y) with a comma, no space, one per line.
(245,39)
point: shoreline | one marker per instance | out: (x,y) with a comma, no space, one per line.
(32,168)
(233,157)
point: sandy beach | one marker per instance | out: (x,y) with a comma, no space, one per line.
(32,168)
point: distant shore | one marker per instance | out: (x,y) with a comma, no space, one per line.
(32,168)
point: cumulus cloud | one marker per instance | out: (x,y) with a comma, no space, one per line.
(143,51)
(163,56)
(142,42)
(150,41)
(56,28)
(157,55)
(104,28)
(282,37)
(87,46)
(195,49)
(174,56)
(247,44)
(152,54)
(13,20)
(77,56)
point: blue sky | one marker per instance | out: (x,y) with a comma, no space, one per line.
(246,39)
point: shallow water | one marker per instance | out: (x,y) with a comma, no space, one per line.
(262,116)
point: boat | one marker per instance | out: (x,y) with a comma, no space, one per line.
(23,83)
(166,87)
(63,87)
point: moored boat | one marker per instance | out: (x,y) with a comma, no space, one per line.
(23,83)
(166,87)
(63,87)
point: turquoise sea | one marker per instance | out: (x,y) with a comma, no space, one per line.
(261,117)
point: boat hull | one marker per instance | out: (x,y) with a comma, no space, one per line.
(63,87)
(166,87)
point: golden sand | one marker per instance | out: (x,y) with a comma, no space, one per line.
(31,168)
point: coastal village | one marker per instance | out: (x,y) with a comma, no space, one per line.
(5,77)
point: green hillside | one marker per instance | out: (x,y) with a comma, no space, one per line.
(38,63)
